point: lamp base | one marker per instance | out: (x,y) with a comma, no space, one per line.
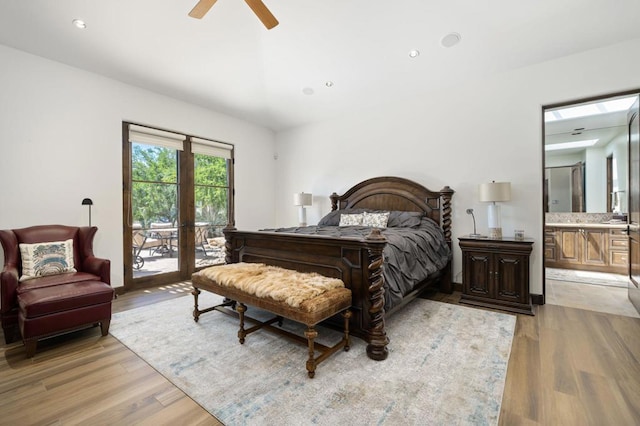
(495,233)
(302,216)
(477,236)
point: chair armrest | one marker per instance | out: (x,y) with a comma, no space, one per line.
(98,266)
(8,285)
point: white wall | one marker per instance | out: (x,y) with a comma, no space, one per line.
(487,129)
(61,141)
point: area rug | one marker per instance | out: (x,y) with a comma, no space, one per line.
(447,365)
(587,277)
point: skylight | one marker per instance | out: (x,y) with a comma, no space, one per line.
(585,110)
(568,145)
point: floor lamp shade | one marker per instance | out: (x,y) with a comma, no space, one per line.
(491,193)
(302,199)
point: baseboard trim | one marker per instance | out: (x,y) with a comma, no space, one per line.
(537,299)
(457,287)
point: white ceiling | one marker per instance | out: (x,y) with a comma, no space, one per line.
(229,62)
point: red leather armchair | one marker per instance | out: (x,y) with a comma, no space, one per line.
(53,304)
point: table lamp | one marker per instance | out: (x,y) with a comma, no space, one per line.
(302,199)
(494,192)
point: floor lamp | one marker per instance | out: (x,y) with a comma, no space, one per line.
(492,193)
(88,202)
(302,199)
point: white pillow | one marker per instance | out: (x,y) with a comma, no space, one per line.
(41,259)
(375,220)
(350,219)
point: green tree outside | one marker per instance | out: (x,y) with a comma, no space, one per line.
(155,187)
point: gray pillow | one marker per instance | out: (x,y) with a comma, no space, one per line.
(399,219)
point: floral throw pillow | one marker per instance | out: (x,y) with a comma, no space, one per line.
(41,259)
(375,220)
(350,219)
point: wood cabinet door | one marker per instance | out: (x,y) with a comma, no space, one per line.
(511,275)
(569,245)
(595,246)
(477,274)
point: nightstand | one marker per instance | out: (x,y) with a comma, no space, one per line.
(495,273)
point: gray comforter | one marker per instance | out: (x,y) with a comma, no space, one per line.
(411,255)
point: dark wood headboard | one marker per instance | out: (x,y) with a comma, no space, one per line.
(395,193)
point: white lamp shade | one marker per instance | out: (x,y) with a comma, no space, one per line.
(494,191)
(302,199)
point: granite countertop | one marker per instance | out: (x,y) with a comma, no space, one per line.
(615,225)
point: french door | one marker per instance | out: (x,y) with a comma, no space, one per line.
(178,196)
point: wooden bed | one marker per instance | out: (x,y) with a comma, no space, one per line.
(358,262)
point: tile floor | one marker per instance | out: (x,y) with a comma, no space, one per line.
(612,300)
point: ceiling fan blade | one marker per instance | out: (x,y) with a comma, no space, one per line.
(262,13)
(201,9)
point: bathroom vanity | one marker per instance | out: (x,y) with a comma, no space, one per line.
(601,247)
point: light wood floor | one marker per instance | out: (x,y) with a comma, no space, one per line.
(83,378)
(568,367)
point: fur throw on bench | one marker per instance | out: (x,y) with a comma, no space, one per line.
(282,285)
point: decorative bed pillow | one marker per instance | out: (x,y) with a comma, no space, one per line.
(375,220)
(401,219)
(350,219)
(333,217)
(42,259)
(397,219)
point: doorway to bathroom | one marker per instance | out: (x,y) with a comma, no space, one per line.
(586,203)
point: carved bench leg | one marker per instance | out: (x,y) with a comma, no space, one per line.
(311,334)
(196,312)
(347,339)
(241,308)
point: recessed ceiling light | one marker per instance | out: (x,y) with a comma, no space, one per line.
(307,91)
(329,84)
(79,23)
(450,40)
(414,53)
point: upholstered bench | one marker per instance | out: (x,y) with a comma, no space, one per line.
(308,298)
(47,311)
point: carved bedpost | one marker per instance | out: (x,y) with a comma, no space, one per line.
(446,285)
(377,347)
(334,201)
(228,248)
(446,193)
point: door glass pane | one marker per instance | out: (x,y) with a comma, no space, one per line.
(154,201)
(211,186)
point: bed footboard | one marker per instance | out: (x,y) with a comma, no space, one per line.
(357,262)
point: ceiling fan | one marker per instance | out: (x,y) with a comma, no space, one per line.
(261,11)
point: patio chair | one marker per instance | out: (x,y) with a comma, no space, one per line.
(201,232)
(141,240)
